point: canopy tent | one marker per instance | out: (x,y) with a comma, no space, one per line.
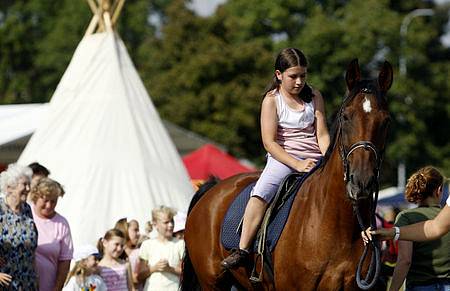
(19,121)
(104,141)
(211,161)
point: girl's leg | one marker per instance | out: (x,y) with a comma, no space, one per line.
(253,215)
(262,194)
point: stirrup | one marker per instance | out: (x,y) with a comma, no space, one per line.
(256,278)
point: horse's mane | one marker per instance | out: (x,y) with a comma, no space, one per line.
(333,139)
(202,189)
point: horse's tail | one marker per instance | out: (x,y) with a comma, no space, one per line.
(189,280)
(211,182)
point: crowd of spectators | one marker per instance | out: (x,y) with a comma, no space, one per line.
(36,249)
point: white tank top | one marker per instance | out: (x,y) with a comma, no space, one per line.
(290,118)
(296,132)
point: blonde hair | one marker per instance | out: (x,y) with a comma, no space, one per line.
(46,188)
(79,271)
(423,184)
(157,212)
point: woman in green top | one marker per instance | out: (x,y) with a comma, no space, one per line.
(425,265)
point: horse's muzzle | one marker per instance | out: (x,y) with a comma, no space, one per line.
(359,189)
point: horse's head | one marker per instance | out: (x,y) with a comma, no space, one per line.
(363,125)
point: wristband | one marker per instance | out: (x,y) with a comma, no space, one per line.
(397,233)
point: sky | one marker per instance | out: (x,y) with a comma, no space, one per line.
(207,7)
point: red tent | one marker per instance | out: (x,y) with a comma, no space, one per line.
(211,161)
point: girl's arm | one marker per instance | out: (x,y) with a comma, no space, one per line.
(269,126)
(422,231)
(174,270)
(143,271)
(323,137)
(130,278)
(405,249)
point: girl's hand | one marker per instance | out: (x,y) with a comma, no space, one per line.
(160,266)
(304,165)
(381,233)
(366,235)
(5,279)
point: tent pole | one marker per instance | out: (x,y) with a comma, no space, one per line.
(117,9)
(92,25)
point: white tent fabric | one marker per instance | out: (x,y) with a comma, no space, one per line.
(19,120)
(104,141)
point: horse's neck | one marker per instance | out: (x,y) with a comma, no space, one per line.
(329,200)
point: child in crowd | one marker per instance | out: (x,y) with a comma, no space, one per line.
(131,231)
(83,275)
(148,229)
(115,272)
(132,243)
(162,255)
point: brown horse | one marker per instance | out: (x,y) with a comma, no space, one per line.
(320,245)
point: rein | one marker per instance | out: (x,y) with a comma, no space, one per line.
(375,264)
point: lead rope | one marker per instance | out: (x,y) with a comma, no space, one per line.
(375,264)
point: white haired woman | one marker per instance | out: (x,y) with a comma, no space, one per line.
(18,234)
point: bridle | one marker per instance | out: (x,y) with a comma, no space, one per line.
(363,144)
(375,264)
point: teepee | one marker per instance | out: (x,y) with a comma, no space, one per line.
(103,139)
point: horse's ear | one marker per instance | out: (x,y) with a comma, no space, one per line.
(353,74)
(385,77)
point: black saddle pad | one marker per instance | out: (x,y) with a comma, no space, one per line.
(231,228)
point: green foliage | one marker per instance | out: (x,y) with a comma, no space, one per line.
(208,74)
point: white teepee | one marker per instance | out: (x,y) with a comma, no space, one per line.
(104,141)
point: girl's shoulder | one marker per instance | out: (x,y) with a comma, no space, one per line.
(270,98)
(271,94)
(110,265)
(178,242)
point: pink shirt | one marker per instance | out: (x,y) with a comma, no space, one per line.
(296,132)
(133,258)
(54,245)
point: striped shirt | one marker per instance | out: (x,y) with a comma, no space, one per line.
(115,277)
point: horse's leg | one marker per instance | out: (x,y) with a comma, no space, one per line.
(202,234)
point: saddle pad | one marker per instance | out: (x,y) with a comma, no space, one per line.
(230,234)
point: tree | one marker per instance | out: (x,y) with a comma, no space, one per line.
(208,74)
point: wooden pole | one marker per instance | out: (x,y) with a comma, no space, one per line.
(107,19)
(117,10)
(105,15)
(92,25)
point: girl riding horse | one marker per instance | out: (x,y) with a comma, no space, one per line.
(320,245)
(295,135)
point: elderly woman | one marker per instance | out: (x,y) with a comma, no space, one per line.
(55,249)
(18,234)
